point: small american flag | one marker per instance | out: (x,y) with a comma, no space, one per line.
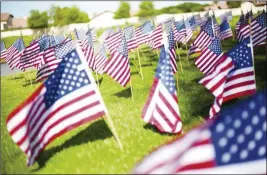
(258,29)
(189,31)
(234,143)
(32,54)
(88,49)
(130,37)
(143,32)
(244,31)
(204,37)
(100,61)
(181,34)
(193,23)
(210,56)
(241,19)
(161,108)
(169,25)
(225,30)
(66,100)
(216,27)
(118,66)
(3,50)
(14,53)
(113,41)
(172,51)
(193,49)
(79,34)
(157,37)
(51,58)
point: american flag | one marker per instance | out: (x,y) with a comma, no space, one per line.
(172,51)
(244,31)
(66,100)
(180,36)
(216,26)
(249,15)
(113,41)
(189,31)
(157,37)
(3,50)
(161,108)
(130,37)
(241,19)
(88,49)
(258,29)
(14,53)
(234,143)
(100,61)
(225,30)
(239,81)
(193,23)
(51,58)
(93,33)
(204,37)
(210,56)
(79,34)
(169,25)
(198,19)
(118,66)
(32,54)
(143,32)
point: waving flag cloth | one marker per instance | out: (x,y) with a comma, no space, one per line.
(216,26)
(157,37)
(189,31)
(210,56)
(130,37)
(88,49)
(228,82)
(181,35)
(100,61)
(172,51)
(118,66)
(241,19)
(113,41)
(32,54)
(258,29)
(244,31)
(143,33)
(14,53)
(66,100)
(51,58)
(3,49)
(204,37)
(161,108)
(192,23)
(225,30)
(234,143)
(197,19)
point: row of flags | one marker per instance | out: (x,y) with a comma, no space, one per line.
(63,66)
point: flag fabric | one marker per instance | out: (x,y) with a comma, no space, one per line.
(161,108)
(66,100)
(143,32)
(172,51)
(113,41)
(88,49)
(234,143)
(216,26)
(258,29)
(204,37)
(241,19)
(118,66)
(229,15)
(157,37)
(3,50)
(197,19)
(79,34)
(209,56)
(244,31)
(193,23)
(227,82)
(32,54)
(181,35)
(193,49)
(51,59)
(169,25)
(100,61)
(189,31)
(14,53)
(130,37)
(225,30)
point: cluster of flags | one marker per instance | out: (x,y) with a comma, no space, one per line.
(68,96)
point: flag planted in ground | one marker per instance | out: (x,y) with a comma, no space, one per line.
(235,143)
(258,29)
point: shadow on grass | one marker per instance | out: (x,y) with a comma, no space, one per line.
(154,129)
(126,93)
(145,65)
(16,77)
(100,81)
(96,131)
(30,82)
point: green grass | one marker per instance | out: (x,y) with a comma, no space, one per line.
(91,148)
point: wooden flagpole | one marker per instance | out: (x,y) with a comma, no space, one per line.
(131,89)
(179,57)
(251,48)
(140,65)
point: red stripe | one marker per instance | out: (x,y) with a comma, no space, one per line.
(202,165)
(239,94)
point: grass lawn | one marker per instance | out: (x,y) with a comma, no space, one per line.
(91,148)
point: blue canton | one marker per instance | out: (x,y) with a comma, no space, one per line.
(164,71)
(180,25)
(147,27)
(208,28)
(44,43)
(241,54)
(224,26)
(129,32)
(215,46)
(19,44)
(239,134)
(168,25)
(123,47)
(261,19)
(3,46)
(171,40)
(63,49)
(65,79)
(89,37)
